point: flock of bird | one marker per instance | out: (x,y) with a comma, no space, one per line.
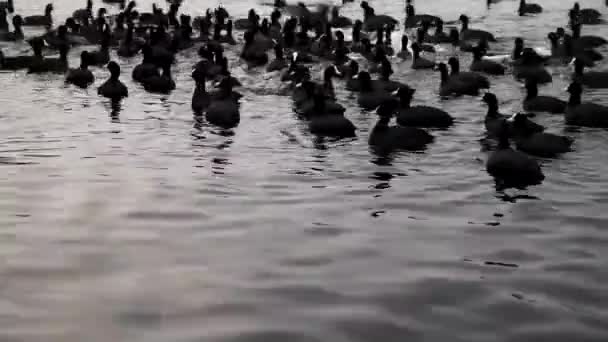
(307,37)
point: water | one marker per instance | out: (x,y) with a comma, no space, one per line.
(151,226)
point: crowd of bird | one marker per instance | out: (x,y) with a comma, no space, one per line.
(301,37)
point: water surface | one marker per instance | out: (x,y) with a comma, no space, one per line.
(152,226)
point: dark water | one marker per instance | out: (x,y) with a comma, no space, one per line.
(149,226)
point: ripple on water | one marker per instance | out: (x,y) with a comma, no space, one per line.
(141,222)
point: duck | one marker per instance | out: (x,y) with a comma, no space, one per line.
(385,139)
(200,99)
(590,79)
(328,86)
(585,54)
(338,21)
(440,37)
(454,86)
(371,21)
(585,114)
(586,42)
(225,73)
(485,66)
(327,123)
(147,68)
(279,63)
(469,34)
(252,55)
(83,15)
(526,8)
(102,56)
(535,103)
(81,77)
(420,116)
(469,77)
(405,53)
(40,20)
(17,34)
(384,82)
(538,144)
(528,67)
(412,19)
(511,167)
(420,62)
(370,98)
(129,47)
(223,111)
(494,119)
(162,84)
(52,65)
(113,88)
(585,16)
(228,38)
(19,62)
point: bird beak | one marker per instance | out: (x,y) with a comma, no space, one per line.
(395,93)
(572,61)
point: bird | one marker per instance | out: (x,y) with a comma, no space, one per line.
(385,139)
(590,79)
(453,86)
(81,77)
(420,116)
(113,88)
(510,167)
(585,114)
(526,8)
(535,103)
(40,20)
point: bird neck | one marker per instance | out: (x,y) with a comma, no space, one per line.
(444,76)
(575,99)
(200,86)
(492,110)
(532,93)
(405,102)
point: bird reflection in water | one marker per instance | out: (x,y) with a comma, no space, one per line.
(115,109)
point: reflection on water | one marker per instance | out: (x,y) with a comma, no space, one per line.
(138,221)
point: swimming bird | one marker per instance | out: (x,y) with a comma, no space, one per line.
(327,123)
(405,53)
(539,144)
(200,98)
(385,139)
(253,55)
(510,167)
(223,110)
(113,88)
(147,68)
(473,78)
(469,34)
(102,56)
(453,86)
(412,19)
(419,62)
(52,65)
(17,33)
(338,21)
(586,114)
(129,47)
(493,120)
(528,67)
(81,77)
(526,8)
(535,103)
(590,79)
(486,66)
(160,84)
(420,116)
(83,15)
(40,20)
(585,16)
(370,98)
